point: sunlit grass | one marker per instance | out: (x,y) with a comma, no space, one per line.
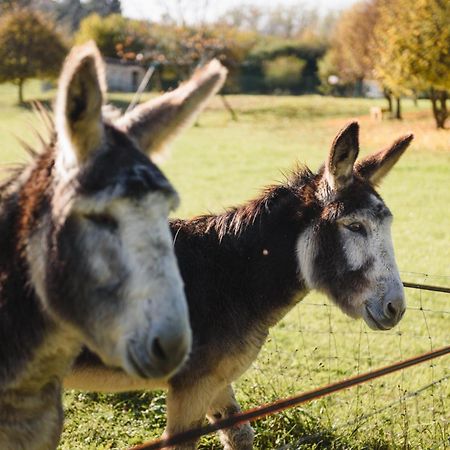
(220,163)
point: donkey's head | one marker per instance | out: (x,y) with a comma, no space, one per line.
(111,274)
(347,251)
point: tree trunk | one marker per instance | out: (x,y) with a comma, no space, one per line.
(229,108)
(158,78)
(415,98)
(358,88)
(438,102)
(388,96)
(398,109)
(20,85)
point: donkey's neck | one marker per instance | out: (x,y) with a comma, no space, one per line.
(32,345)
(260,238)
(241,268)
(22,324)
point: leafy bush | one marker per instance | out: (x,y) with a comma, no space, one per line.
(283,72)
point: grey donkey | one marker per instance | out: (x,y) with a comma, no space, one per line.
(86,254)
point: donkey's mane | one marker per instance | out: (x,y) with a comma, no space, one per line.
(46,140)
(235,220)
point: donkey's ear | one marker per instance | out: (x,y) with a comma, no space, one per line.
(155,123)
(374,167)
(79,101)
(343,154)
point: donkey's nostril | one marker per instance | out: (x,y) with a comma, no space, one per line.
(391,310)
(158,350)
(169,348)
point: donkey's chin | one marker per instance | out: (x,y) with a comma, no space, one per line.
(373,322)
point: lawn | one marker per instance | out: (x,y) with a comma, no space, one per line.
(220,163)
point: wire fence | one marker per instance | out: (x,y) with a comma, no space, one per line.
(316,345)
(283,404)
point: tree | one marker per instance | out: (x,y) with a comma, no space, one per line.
(283,72)
(413,51)
(352,54)
(244,17)
(115,35)
(104,7)
(72,12)
(255,71)
(331,83)
(284,21)
(290,21)
(69,13)
(29,48)
(10,5)
(353,41)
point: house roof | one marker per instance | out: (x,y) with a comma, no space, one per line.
(121,62)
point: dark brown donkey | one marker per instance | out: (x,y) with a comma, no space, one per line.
(244,269)
(86,254)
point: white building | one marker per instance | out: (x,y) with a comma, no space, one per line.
(123,75)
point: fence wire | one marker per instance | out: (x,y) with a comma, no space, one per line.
(283,404)
(416,421)
(316,344)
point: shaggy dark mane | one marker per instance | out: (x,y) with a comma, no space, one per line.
(11,173)
(235,220)
(46,140)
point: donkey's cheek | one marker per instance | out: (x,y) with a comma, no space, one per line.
(306,255)
(357,250)
(105,263)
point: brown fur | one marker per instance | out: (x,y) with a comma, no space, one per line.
(61,256)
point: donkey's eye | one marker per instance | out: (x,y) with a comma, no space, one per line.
(356,227)
(103,221)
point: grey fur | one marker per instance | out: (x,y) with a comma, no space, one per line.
(86,255)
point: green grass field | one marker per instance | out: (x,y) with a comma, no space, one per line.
(220,163)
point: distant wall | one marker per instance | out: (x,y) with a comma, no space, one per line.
(122,76)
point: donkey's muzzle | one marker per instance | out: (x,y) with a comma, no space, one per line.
(394,310)
(385,315)
(160,354)
(169,351)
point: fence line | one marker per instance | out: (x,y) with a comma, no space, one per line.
(360,419)
(426,287)
(271,408)
(410,308)
(396,402)
(311,438)
(426,275)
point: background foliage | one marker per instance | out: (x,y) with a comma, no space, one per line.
(30,47)
(402,46)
